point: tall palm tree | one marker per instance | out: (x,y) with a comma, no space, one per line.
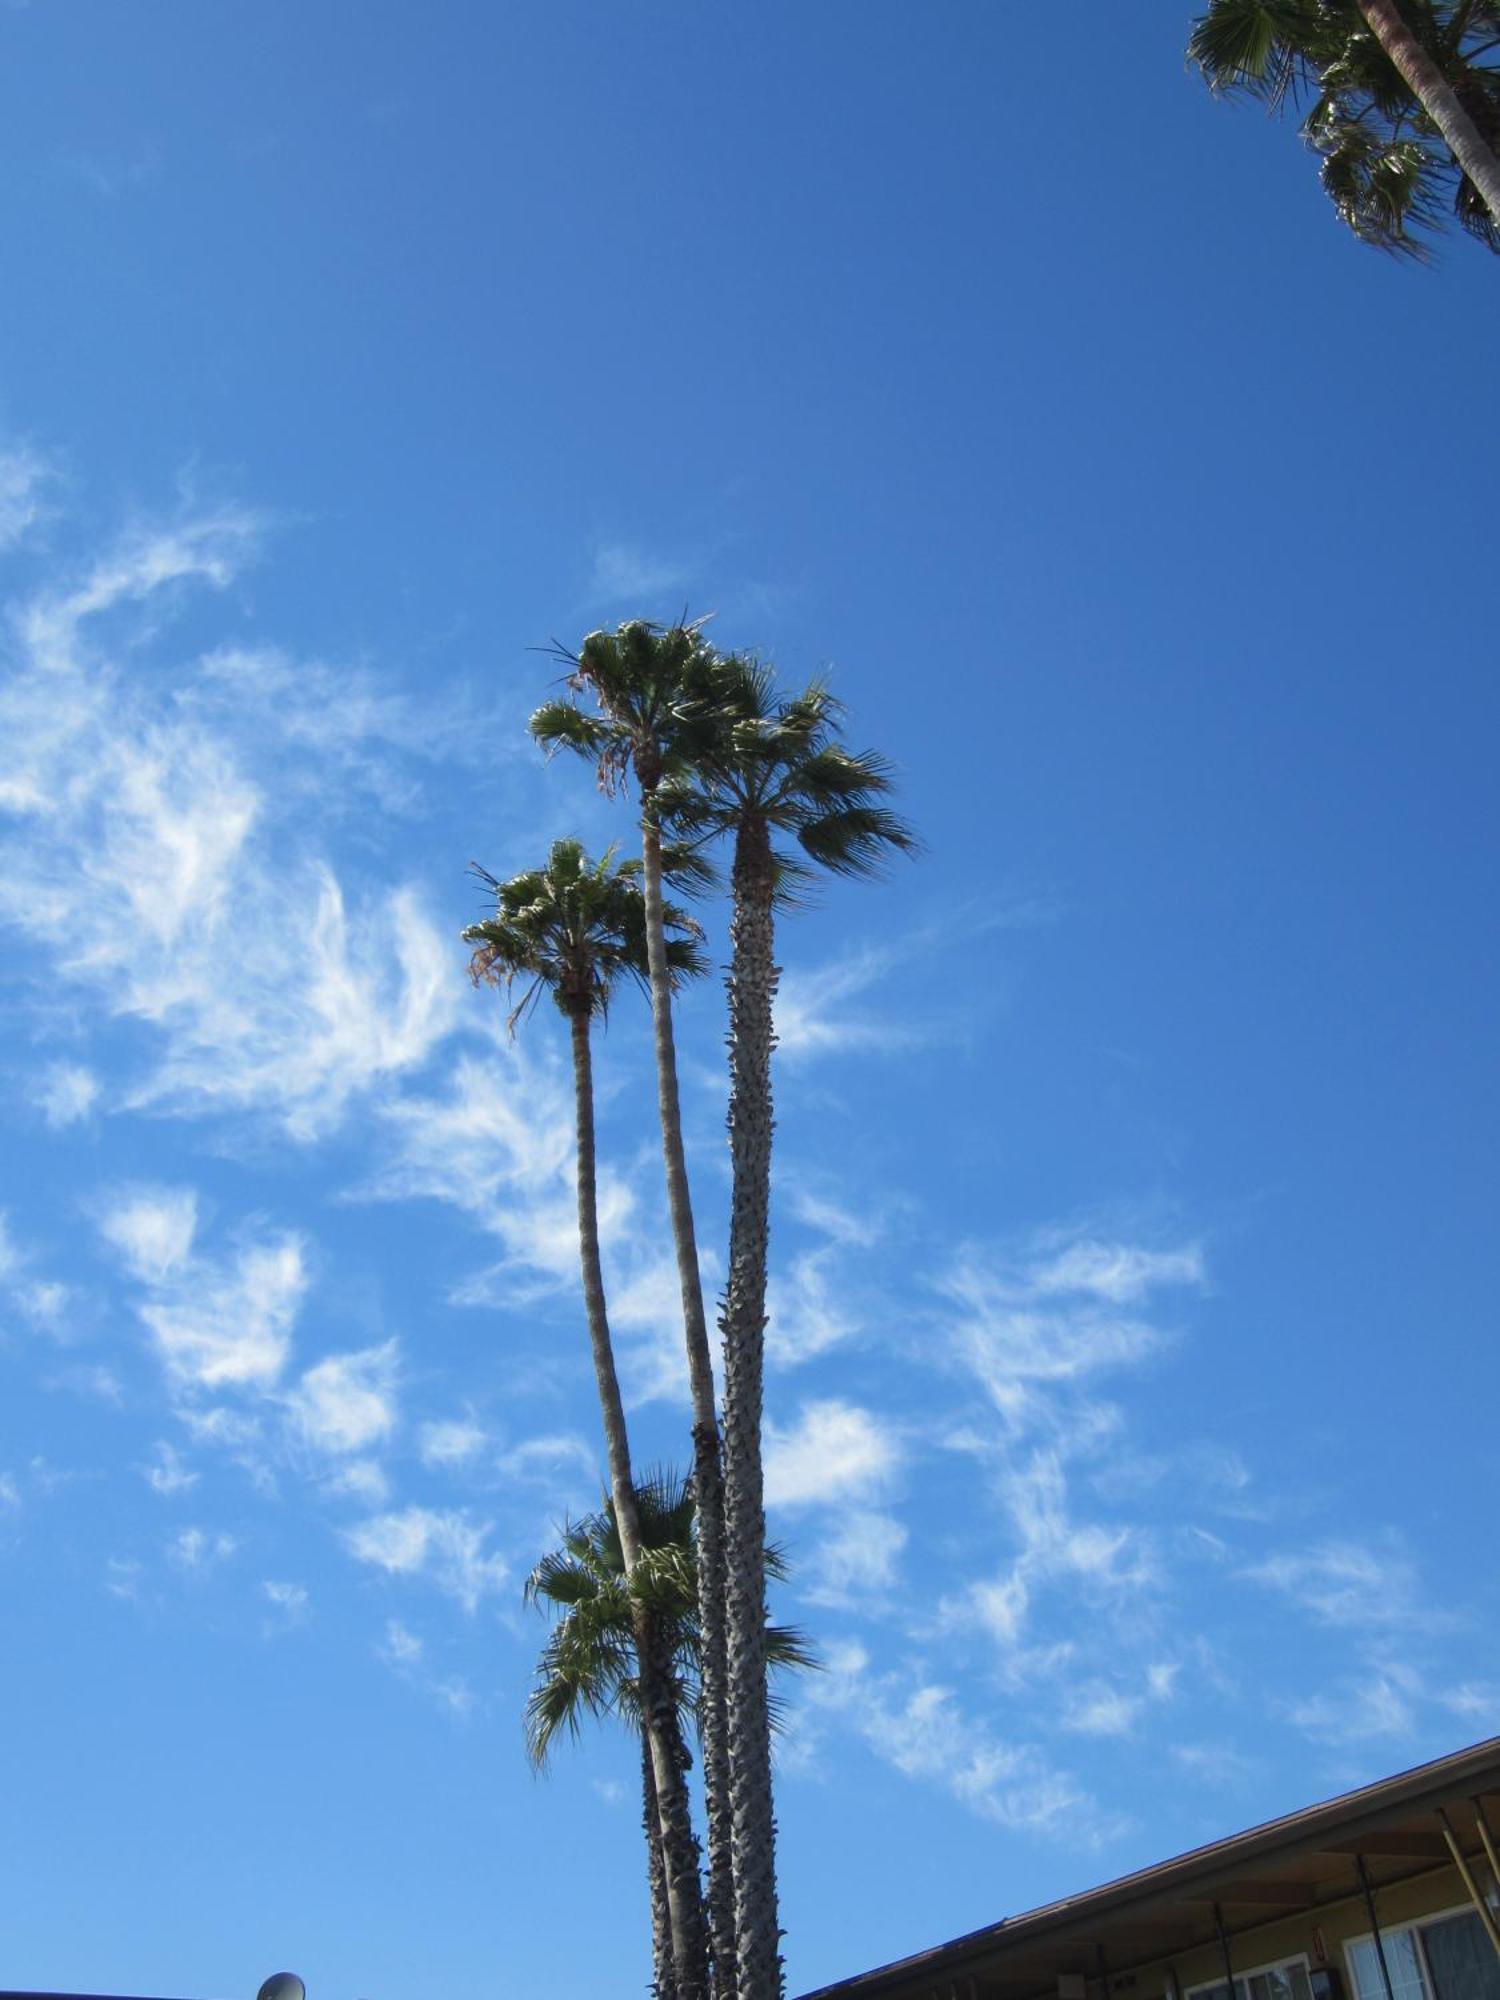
(769,770)
(576,929)
(645,682)
(1406,102)
(588,1665)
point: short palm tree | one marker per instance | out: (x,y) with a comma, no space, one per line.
(768,770)
(575,929)
(1405,102)
(644,682)
(588,1666)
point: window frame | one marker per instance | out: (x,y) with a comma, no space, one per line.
(1249,1972)
(1414,1926)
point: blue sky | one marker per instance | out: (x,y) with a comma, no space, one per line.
(1133,1358)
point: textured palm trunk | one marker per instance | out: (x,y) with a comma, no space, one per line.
(679,1845)
(708,1487)
(1437,98)
(752,993)
(663,1979)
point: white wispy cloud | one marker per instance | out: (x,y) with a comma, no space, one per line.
(1035,1325)
(1355,1711)
(361,1479)
(290,1599)
(230,1323)
(1055,1316)
(162,858)
(359,734)
(122,1577)
(1099,1707)
(550,1458)
(1346,1584)
(814,1014)
(1217,1764)
(200,1549)
(66,1093)
(923,1729)
(835,1219)
(216,1322)
(623,573)
(153,1230)
(807,1308)
(166,1474)
(46,1304)
(1120,1273)
(446,1548)
(401,1647)
(405,1653)
(857,1562)
(450,1441)
(824,1010)
(1053,1548)
(347,1402)
(835,1451)
(495,1141)
(1476,1701)
(24,477)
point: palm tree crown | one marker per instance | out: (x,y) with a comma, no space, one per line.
(574,928)
(1385,166)
(751,756)
(641,678)
(587,1669)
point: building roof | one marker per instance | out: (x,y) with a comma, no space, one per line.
(1250,1880)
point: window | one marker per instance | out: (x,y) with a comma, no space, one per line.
(1401,1961)
(1286,1981)
(1447,1958)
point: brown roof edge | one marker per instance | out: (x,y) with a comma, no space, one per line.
(1351,1812)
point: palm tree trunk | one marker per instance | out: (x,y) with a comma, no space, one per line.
(663,1981)
(678,1842)
(1437,98)
(708,1487)
(752,992)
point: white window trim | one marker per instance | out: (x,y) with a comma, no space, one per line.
(1249,1972)
(1413,1926)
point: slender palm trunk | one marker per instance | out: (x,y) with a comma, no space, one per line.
(663,1979)
(752,992)
(708,1488)
(679,1844)
(1437,98)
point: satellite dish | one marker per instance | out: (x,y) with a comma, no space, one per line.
(282,1986)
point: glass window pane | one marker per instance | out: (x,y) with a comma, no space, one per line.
(1462,1959)
(1401,1959)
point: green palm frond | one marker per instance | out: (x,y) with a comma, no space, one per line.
(640,679)
(1382,192)
(1262,47)
(576,929)
(788,1646)
(1382,160)
(563,725)
(587,1667)
(855,840)
(751,752)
